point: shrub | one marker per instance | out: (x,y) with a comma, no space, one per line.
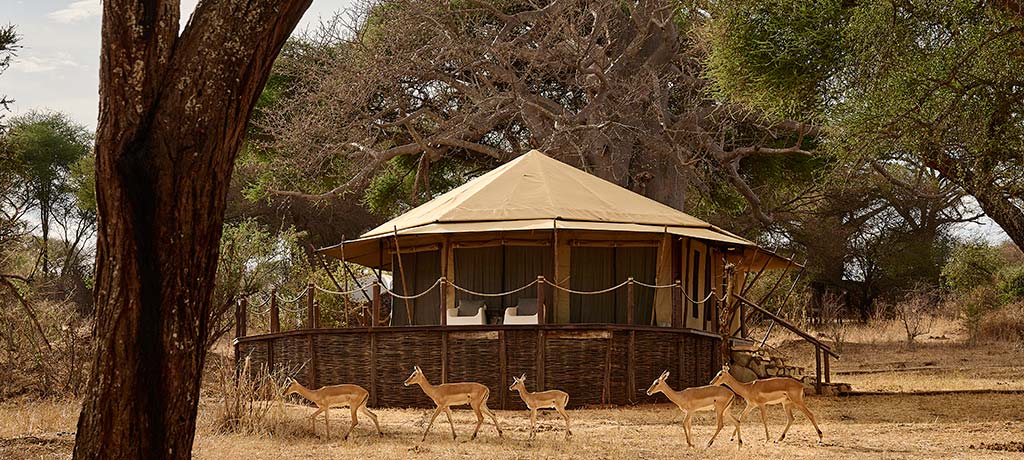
(1011,283)
(916,311)
(973,306)
(1005,324)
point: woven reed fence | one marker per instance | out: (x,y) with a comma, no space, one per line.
(595,364)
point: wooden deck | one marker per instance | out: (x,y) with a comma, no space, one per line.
(597,364)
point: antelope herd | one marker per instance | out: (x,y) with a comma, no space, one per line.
(718,396)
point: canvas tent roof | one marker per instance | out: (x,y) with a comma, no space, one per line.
(536,192)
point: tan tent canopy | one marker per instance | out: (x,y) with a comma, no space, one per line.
(538,193)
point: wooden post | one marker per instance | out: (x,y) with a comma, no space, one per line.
(444,357)
(313,316)
(828,373)
(677,304)
(241,318)
(502,370)
(631,368)
(541,308)
(375,314)
(275,315)
(444,302)
(313,371)
(630,303)
(373,363)
(817,369)
(606,390)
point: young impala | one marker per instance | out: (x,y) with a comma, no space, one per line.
(353,396)
(763,392)
(690,400)
(454,394)
(550,399)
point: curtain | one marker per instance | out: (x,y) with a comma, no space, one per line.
(641,263)
(479,269)
(596,268)
(592,269)
(421,269)
(522,266)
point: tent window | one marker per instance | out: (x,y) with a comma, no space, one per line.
(421,270)
(492,269)
(596,268)
(695,284)
(707,287)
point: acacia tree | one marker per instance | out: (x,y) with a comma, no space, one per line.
(44,147)
(614,88)
(935,83)
(173,110)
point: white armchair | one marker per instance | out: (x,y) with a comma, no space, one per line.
(466,307)
(521,313)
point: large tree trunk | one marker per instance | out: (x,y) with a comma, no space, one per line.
(173,112)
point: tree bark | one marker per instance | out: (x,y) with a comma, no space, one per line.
(173,111)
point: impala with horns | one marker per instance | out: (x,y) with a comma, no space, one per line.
(454,394)
(352,396)
(763,392)
(550,399)
(690,400)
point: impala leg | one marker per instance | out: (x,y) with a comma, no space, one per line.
(493,418)
(479,419)
(568,427)
(533,422)
(737,430)
(789,416)
(372,417)
(312,419)
(743,416)
(764,419)
(327,424)
(721,422)
(448,415)
(355,421)
(436,413)
(686,428)
(803,408)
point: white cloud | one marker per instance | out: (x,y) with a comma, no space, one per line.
(77,11)
(39,64)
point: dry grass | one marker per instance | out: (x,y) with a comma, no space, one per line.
(866,427)
(897,426)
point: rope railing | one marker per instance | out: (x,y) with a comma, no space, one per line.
(353,291)
(387,291)
(495,294)
(384,289)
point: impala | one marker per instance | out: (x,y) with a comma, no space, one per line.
(550,399)
(762,392)
(690,400)
(353,396)
(454,394)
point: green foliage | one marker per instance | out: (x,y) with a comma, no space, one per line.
(83,182)
(778,55)
(43,147)
(394,191)
(1011,283)
(971,265)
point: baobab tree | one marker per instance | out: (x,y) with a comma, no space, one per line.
(173,110)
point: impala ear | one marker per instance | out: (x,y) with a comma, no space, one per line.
(523,377)
(664,375)
(417,369)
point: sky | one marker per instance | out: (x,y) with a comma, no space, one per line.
(58,66)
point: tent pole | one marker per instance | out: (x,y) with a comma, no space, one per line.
(405,289)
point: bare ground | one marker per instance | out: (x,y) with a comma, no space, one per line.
(987,423)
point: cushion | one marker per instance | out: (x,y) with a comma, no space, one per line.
(527,306)
(470,307)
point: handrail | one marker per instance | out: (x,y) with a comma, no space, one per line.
(788,325)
